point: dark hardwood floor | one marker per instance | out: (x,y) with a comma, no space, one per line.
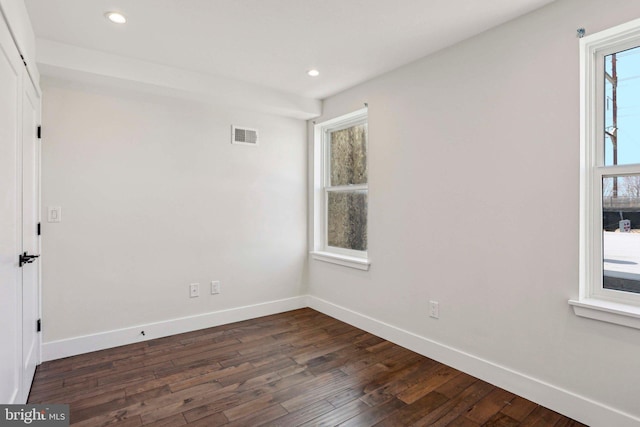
(290,369)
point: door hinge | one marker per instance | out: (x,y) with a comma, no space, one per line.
(39,229)
(39,132)
(39,325)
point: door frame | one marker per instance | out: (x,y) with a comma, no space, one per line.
(30,240)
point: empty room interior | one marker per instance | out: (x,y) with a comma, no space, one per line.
(340,212)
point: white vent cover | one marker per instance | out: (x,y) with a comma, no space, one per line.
(244,136)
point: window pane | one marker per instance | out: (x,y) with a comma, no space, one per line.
(347,220)
(621,233)
(622,108)
(349,156)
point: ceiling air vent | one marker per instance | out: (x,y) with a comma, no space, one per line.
(244,136)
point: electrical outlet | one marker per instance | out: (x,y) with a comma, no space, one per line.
(194,290)
(434,309)
(215,287)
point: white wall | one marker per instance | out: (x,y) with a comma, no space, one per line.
(474,155)
(154,197)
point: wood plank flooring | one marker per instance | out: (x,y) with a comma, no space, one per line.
(300,368)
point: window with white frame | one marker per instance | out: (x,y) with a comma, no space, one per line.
(341,190)
(610,176)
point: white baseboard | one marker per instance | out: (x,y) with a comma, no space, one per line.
(563,401)
(108,339)
(578,407)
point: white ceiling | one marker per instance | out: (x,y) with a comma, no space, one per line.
(272,43)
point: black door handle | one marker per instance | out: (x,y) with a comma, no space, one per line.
(26,259)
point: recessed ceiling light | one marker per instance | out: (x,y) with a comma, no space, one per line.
(115,17)
(313,73)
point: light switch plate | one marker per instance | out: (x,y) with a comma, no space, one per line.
(54,214)
(215,287)
(434,309)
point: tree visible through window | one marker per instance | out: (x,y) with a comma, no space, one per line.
(347,192)
(341,190)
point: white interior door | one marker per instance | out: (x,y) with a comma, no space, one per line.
(11,71)
(19,217)
(30,238)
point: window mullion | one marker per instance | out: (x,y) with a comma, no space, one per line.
(343,188)
(603,171)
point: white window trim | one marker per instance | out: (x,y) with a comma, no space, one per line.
(344,260)
(320,250)
(593,301)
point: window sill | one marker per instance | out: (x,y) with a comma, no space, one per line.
(344,260)
(607,311)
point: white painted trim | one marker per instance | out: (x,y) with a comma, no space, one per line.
(593,300)
(321,188)
(578,407)
(108,339)
(14,399)
(607,311)
(563,401)
(344,260)
(16,16)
